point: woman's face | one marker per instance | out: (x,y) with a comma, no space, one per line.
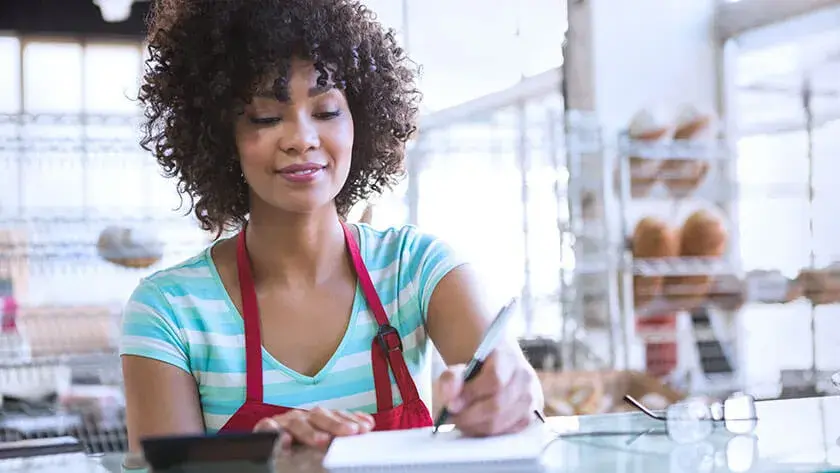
(295,154)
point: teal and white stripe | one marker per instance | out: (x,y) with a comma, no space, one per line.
(184,317)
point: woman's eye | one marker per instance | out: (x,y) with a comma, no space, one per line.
(327,115)
(264,121)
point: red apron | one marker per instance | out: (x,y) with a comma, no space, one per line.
(386,349)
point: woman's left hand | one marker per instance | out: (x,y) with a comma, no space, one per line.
(499,400)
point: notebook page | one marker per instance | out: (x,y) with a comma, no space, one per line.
(420,447)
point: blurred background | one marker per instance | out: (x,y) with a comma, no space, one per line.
(654,179)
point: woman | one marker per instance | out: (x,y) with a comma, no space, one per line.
(276,117)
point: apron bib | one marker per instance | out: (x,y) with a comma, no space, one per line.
(386,352)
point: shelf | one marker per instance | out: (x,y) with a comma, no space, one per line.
(94,217)
(701,150)
(31,149)
(682,267)
(72,119)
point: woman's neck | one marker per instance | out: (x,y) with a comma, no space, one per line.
(295,249)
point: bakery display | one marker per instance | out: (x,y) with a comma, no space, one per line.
(683,175)
(129,247)
(652,238)
(645,128)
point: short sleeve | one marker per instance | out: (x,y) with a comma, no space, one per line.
(432,259)
(150,328)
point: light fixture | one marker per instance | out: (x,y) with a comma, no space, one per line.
(114,11)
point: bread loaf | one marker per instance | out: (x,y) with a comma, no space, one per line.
(682,175)
(652,238)
(820,286)
(645,128)
(129,247)
(703,235)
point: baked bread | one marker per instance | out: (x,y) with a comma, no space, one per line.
(821,286)
(703,235)
(645,127)
(652,238)
(583,394)
(682,175)
(129,247)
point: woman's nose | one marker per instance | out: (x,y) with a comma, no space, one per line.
(300,136)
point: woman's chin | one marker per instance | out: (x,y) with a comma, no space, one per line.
(303,206)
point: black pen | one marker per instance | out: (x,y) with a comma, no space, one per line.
(487,345)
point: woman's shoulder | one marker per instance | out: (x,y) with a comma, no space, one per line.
(194,276)
(406,246)
(394,241)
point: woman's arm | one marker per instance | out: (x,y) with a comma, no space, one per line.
(456,321)
(160,390)
(160,400)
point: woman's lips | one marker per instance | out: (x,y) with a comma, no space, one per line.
(302,173)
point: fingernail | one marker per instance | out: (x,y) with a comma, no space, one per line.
(354,428)
(455,405)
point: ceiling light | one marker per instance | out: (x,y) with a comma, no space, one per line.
(114,11)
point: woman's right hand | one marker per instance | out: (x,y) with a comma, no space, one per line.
(317,427)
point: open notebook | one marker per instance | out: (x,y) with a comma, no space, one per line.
(418,449)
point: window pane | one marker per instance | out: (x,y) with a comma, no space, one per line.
(112,77)
(9,75)
(45,90)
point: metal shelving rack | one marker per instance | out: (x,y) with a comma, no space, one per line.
(721,188)
(63,179)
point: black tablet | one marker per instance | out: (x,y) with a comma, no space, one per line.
(166,453)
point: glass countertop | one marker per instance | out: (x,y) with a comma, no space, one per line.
(798,435)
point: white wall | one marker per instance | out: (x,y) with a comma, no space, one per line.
(471,48)
(652,53)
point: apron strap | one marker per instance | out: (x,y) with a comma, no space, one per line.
(387,345)
(251,318)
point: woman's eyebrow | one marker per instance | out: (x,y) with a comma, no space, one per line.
(314,91)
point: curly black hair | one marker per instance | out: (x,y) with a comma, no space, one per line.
(207,56)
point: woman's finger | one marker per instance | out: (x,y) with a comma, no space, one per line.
(364,421)
(332,423)
(497,413)
(498,372)
(269,424)
(447,389)
(298,426)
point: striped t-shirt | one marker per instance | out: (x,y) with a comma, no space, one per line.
(183,316)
